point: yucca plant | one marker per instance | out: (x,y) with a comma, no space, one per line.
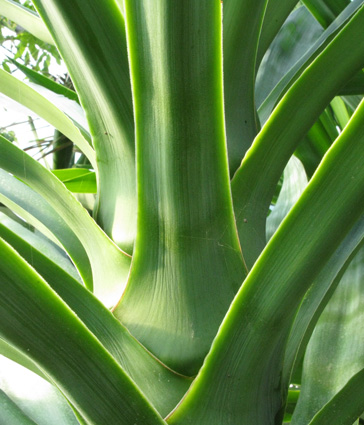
(167,304)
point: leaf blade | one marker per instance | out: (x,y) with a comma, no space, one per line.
(186,232)
(257,325)
(97,60)
(25,18)
(25,95)
(86,373)
(109,276)
(272,148)
(335,346)
(159,384)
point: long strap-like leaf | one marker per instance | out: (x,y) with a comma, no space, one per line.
(40,242)
(276,13)
(241,29)
(29,205)
(91,38)
(46,82)
(296,113)
(308,56)
(159,384)
(187,263)
(335,352)
(36,321)
(241,378)
(27,96)
(26,19)
(325,11)
(109,264)
(346,406)
(317,297)
(10,413)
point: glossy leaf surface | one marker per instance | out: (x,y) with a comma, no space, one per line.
(275,15)
(242,22)
(29,205)
(110,273)
(345,406)
(187,258)
(272,148)
(39,400)
(96,57)
(316,299)
(310,50)
(94,382)
(25,18)
(294,182)
(11,413)
(335,352)
(160,385)
(77,180)
(249,347)
(27,96)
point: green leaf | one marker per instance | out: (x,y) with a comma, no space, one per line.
(294,182)
(27,96)
(242,375)
(325,11)
(292,399)
(91,38)
(295,69)
(345,406)
(355,85)
(334,353)
(110,266)
(316,299)
(317,141)
(242,22)
(6,67)
(41,401)
(275,15)
(77,180)
(11,413)
(38,240)
(65,349)
(29,205)
(187,248)
(25,18)
(341,113)
(160,385)
(10,352)
(296,113)
(37,78)
(69,107)
(298,34)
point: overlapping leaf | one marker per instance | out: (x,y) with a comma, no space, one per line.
(297,111)
(91,39)
(242,22)
(45,108)
(187,263)
(110,266)
(242,375)
(335,352)
(161,386)
(68,352)
(29,205)
(26,18)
